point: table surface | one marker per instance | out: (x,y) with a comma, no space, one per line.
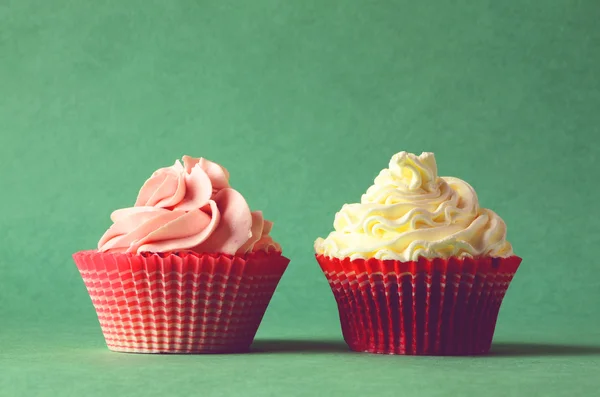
(76,363)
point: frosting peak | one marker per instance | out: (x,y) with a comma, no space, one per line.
(407,174)
(411,212)
(188,206)
(410,172)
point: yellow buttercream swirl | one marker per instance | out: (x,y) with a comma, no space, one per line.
(410,212)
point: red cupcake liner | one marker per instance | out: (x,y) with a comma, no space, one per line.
(424,307)
(180,302)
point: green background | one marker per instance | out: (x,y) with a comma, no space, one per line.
(304,102)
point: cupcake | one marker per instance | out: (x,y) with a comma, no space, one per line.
(418,267)
(188,269)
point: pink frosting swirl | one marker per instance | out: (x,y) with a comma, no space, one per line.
(189,207)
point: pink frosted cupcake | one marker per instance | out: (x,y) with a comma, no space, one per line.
(188,269)
(417,267)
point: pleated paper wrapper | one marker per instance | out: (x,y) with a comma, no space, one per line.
(425,307)
(180,302)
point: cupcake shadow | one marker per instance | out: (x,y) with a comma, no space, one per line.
(299,346)
(499,349)
(521,349)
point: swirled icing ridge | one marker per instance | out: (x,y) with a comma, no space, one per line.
(192,207)
(411,212)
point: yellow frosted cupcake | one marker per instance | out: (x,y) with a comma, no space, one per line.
(418,267)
